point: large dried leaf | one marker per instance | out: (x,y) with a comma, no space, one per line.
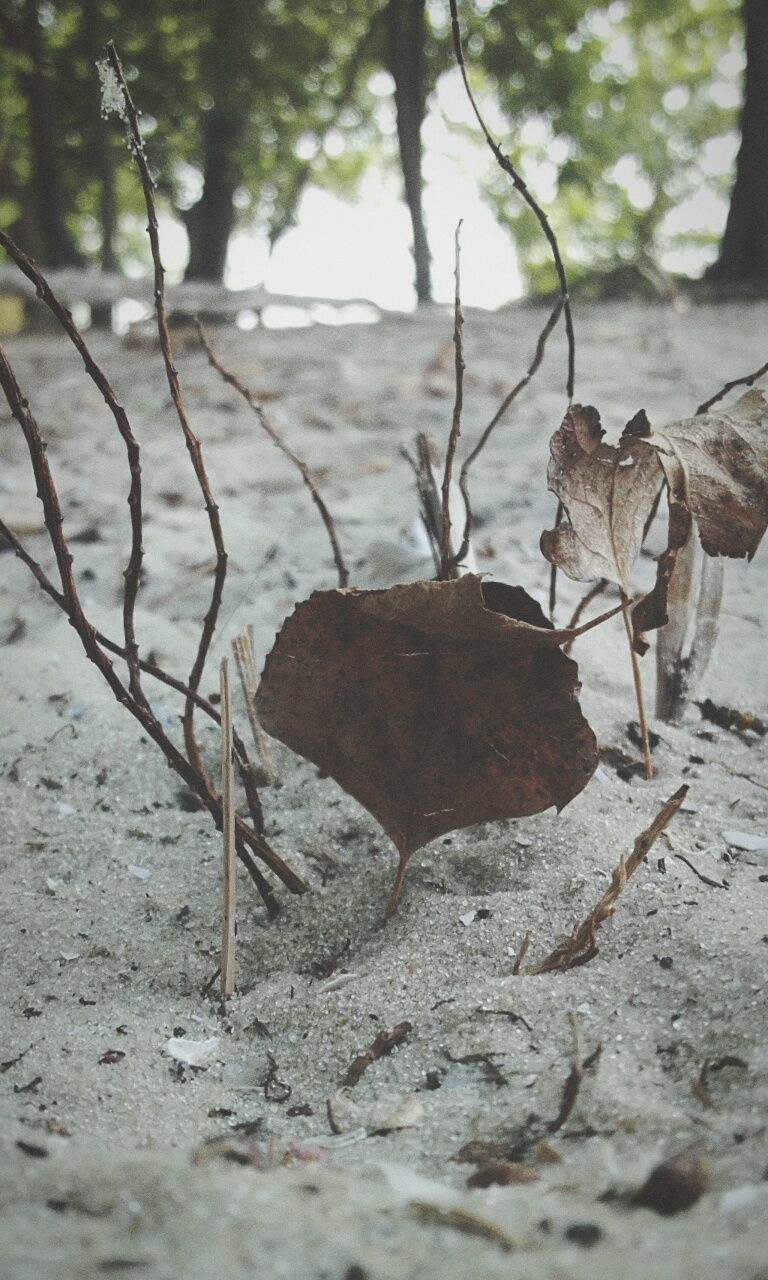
(607,493)
(436,705)
(724,458)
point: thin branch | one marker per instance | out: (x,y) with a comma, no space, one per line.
(572,1086)
(532,203)
(150,669)
(512,395)
(132,574)
(191,440)
(582,947)
(68,598)
(448,562)
(638,683)
(748,380)
(586,600)
(276,439)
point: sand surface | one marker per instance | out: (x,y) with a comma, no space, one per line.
(111,887)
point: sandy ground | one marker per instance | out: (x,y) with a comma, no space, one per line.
(111,887)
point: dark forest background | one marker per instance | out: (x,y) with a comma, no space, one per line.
(617,112)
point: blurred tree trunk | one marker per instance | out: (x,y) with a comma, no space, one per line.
(95,36)
(209,223)
(743,256)
(54,244)
(406,62)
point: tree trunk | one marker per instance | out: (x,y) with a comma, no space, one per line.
(406,62)
(209,223)
(54,244)
(743,257)
(95,35)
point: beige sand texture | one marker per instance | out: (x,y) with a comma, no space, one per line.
(111,889)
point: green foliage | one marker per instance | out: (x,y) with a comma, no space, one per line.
(613,110)
(610,111)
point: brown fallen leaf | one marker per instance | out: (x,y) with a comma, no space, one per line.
(436,705)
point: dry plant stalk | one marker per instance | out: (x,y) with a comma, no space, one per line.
(581,946)
(228,833)
(449,562)
(242,648)
(579,1066)
(233,381)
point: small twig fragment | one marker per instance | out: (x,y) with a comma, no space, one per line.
(579,1065)
(242,647)
(522,952)
(581,946)
(382,1046)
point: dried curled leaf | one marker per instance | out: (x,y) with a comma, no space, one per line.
(607,492)
(724,459)
(436,705)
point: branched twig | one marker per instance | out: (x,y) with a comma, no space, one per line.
(582,944)
(532,203)
(748,380)
(191,440)
(276,439)
(448,562)
(249,842)
(132,574)
(151,669)
(496,419)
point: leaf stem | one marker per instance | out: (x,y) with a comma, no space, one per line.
(625,613)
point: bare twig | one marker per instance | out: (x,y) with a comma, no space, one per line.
(496,419)
(228,834)
(579,1065)
(520,186)
(67,598)
(448,562)
(713,884)
(382,1046)
(748,380)
(132,573)
(522,952)
(191,440)
(638,683)
(582,947)
(276,438)
(242,647)
(586,600)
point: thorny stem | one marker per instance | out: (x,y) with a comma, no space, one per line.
(448,562)
(132,574)
(523,190)
(498,415)
(151,669)
(747,381)
(625,613)
(276,439)
(192,442)
(69,601)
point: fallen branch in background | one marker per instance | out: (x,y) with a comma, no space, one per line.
(581,946)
